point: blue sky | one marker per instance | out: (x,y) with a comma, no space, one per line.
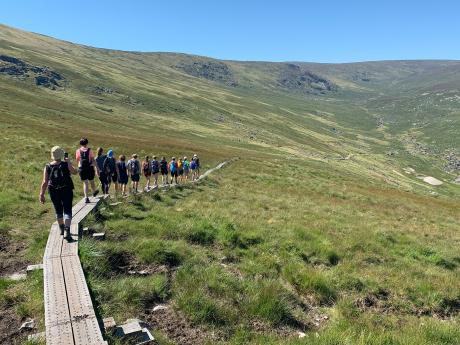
(320,31)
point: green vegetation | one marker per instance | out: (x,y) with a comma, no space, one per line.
(315,228)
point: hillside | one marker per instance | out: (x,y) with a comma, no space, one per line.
(322,226)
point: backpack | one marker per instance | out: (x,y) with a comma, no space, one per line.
(57,179)
(109,166)
(193,165)
(84,159)
(155,166)
(172,167)
(134,167)
(186,165)
(146,167)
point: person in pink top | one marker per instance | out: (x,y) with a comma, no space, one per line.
(86,167)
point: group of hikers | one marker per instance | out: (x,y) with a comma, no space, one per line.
(57,176)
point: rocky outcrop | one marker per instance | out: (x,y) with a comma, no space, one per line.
(44,76)
(211,70)
(294,78)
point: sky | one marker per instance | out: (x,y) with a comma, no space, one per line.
(289,30)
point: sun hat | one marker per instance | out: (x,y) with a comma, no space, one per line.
(110,153)
(57,153)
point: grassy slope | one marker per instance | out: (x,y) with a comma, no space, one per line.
(303,234)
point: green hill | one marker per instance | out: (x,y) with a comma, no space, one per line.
(323,225)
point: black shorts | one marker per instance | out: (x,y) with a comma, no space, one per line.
(174,173)
(114,178)
(123,179)
(135,177)
(164,172)
(86,174)
(181,172)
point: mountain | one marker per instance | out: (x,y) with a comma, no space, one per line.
(324,225)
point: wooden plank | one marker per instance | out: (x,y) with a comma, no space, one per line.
(87,332)
(69,313)
(85,210)
(56,305)
(78,296)
(59,334)
(71,248)
(54,244)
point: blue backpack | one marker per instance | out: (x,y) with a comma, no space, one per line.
(172,167)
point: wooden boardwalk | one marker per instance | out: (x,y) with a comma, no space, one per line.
(69,313)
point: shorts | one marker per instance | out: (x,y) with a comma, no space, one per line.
(135,177)
(148,174)
(181,172)
(114,178)
(86,174)
(186,171)
(174,173)
(123,179)
(164,172)
(155,172)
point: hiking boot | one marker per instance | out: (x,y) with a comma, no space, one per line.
(67,236)
(87,200)
(61,227)
(96,192)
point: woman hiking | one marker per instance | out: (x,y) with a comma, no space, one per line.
(134,169)
(180,170)
(100,170)
(173,169)
(193,168)
(155,170)
(85,160)
(111,170)
(122,174)
(57,179)
(147,171)
(164,170)
(186,167)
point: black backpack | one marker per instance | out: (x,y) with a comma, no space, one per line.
(57,177)
(84,159)
(109,166)
(155,166)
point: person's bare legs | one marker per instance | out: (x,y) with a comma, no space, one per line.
(93,186)
(85,188)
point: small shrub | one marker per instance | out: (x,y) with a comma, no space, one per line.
(307,280)
(201,309)
(270,302)
(202,237)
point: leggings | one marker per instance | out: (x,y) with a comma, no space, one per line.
(104,181)
(62,201)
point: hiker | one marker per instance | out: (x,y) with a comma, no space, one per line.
(111,170)
(197,170)
(122,174)
(147,171)
(173,169)
(186,167)
(100,169)
(155,166)
(164,170)
(56,177)
(85,160)
(134,170)
(193,168)
(180,170)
